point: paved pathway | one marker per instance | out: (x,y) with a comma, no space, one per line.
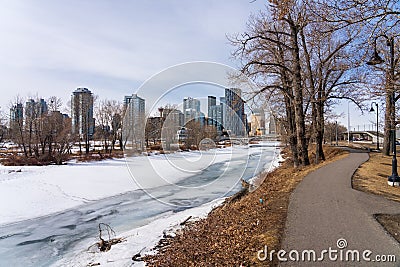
(324,208)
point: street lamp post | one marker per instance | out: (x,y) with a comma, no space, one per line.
(348,123)
(336,133)
(377,123)
(376,59)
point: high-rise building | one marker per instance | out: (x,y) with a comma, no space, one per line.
(191,109)
(258,122)
(212,101)
(173,120)
(223,105)
(82,113)
(191,103)
(174,116)
(35,109)
(215,113)
(134,121)
(16,116)
(201,118)
(216,117)
(235,121)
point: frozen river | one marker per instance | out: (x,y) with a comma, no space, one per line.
(44,240)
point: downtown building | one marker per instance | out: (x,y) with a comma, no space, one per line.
(172,115)
(191,111)
(133,130)
(16,116)
(34,112)
(35,109)
(216,113)
(82,120)
(172,123)
(258,122)
(234,117)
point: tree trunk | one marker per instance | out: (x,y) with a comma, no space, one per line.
(290,110)
(291,131)
(320,128)
(80,146)
(315,103)
(315,127)
(87,148)
(21,132)
(50,146)
(87,143)
(388,124)
(298,97)
(30,139)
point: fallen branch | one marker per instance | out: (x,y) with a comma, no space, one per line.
(138,256)
(105,245)
(241,193)
(185,221)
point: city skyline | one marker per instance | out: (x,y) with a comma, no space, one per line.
(52,47)
(12,111)
(55,47)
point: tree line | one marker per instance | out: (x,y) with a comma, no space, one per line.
(306,56)
(46,137)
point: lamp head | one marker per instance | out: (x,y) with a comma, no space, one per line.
(372,109)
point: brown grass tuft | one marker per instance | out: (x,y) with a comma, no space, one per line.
(372,177)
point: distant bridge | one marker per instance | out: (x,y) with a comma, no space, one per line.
(246,140)
(364,136)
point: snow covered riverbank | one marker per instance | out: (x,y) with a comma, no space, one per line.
(139,240)
(143,239)
(32,191)
(127,194)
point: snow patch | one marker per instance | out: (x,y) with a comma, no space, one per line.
(140,240)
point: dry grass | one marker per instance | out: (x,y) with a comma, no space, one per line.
(391,222)
(232,234)
(372,177)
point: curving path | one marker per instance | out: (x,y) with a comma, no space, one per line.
(325,208)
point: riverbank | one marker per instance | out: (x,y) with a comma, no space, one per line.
(244,162)
(233,233)
(28,192)
(52,213)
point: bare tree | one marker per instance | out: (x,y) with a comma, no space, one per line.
(63,140)
(333,130)
(108,119)
(304,63)
(153,130)
(375,18)
(3,126)
(44,137)
(331,71)
(270,52)
(197,132)
(16,120)
(54,103)
(171,123)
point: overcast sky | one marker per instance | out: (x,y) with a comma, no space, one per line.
(111,47)
(52,47)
